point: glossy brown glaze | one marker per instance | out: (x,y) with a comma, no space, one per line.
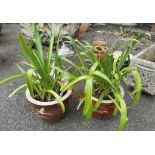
(52,113)
(104,111)
(49,111)
(106,108)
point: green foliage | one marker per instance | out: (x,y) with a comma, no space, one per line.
(46,78)
(42,78)
(107,74)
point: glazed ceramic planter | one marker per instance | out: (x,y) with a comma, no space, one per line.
(145,62)
(106,108)
(49,111)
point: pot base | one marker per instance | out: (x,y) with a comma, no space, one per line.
(104,111)
(51,114)
(106,108)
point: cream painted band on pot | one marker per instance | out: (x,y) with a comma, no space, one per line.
(49,111)
(32,100)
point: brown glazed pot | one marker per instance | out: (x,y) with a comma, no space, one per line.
(106,108)
(49,111)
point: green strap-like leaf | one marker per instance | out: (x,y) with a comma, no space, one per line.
(38,43)
(64,88)
(72,41)
(105,77)
(137,88)
(88,116)
(58,99)
(80,103)
(50,50)
(92,69)
(99,101)
(31,56)
(17,89)
(125,54)
(66,74)
(11,78)
(74,65)
(123,110)
(87,111)
(21,69)
(27,52)
(30,81)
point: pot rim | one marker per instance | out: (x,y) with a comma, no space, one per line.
(40,103)
(110,101)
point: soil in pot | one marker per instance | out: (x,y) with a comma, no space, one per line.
(50,112)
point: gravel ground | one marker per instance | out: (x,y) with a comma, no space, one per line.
(16,113)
